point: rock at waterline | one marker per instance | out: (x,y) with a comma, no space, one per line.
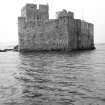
(13,49)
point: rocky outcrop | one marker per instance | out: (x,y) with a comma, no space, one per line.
(5,50)
(12,49)
(15,48)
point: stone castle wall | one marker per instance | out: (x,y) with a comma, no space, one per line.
(85,34)
(52,35)
(38,32)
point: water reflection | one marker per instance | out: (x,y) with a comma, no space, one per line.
(75,78)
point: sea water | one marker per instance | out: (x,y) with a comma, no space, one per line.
(53,78)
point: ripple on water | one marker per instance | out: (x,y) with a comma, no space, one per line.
(76,78)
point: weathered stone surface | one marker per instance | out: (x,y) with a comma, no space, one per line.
(38,32)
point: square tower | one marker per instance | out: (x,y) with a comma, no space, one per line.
(29,11)
(44,12)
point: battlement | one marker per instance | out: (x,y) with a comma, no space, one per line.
(64,13)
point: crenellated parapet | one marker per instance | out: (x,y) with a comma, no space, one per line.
(64,13)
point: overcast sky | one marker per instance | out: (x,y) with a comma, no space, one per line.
(89,10)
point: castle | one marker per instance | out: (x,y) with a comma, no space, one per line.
(37,32)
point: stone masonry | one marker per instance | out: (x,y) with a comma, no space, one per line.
(37,32)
